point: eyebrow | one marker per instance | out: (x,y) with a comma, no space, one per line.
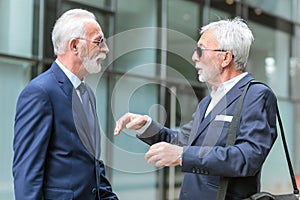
(201,45)
(98,37)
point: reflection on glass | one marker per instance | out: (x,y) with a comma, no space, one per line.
(270,67)
(275,7)
(269,58)
(136,39)
(14,76)
(95,3)
(295,67)
(16,21)
(133,177)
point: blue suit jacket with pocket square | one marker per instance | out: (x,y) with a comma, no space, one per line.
(205,158)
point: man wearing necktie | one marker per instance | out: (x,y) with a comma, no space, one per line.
(200,146)
(57,134)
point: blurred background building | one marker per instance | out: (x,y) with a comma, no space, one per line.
(149,70)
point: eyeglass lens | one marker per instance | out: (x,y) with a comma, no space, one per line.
(199,51)
(101,41)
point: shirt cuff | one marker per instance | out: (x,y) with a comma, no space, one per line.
(144,128)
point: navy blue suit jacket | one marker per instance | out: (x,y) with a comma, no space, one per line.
(50,159)
(205,157)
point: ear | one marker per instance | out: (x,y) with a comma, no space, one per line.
(227,58)
(73,45)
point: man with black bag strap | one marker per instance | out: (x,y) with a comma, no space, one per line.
(200,146)
(232,132)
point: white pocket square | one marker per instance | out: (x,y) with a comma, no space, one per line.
(225,118)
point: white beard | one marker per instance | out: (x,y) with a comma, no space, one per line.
(208,73)
(91,65)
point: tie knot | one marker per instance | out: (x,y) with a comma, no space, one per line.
(82,88)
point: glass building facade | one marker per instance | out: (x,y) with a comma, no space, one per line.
(149,71)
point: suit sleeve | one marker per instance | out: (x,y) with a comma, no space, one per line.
(32,129)
(256,135)
(158,133)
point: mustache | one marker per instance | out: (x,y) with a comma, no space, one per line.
(198,66)
(101,56)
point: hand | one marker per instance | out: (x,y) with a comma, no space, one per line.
(164,154)
(130,121)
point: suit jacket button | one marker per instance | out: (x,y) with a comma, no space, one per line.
(193,170)
(94,190)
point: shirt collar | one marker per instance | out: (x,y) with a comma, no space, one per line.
(226,86)
(72,77)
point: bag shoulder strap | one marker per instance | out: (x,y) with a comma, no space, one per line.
(231,137)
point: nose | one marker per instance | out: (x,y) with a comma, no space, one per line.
(195,57)
(104,48)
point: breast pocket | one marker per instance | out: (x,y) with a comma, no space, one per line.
(216,132)
(57,193)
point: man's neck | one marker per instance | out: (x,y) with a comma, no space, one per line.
(226,77)
(72,65)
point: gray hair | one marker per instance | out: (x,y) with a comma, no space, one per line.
(70,25)
(235,36)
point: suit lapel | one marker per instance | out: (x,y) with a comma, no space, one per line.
(80,119)
(198,118)
(220,107)
(63,81)
(68,88)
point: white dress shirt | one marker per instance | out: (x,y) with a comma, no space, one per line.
(217,94)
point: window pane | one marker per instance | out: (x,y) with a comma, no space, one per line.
(296,140)
(135,14)
(95,3)
(187,19)
(182,37)
(296,13)
(181,69)
(16,20)
(135,45)
(187,102)
(269,58)
(133,177)
(295,66)
(215,15)
(276,162)
(276,7)
(13,78)
(135,61)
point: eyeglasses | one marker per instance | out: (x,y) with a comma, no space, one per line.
(99,43)
(199,51)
